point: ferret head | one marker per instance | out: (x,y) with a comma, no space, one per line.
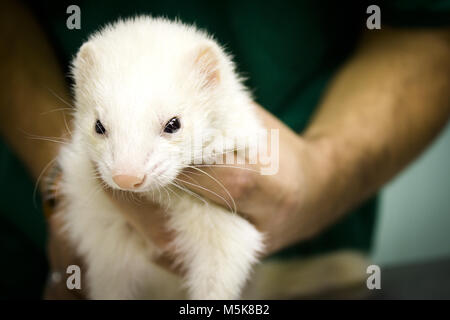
(149,95)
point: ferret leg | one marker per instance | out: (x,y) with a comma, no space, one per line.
(217,249)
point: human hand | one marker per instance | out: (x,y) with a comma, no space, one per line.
(271,202)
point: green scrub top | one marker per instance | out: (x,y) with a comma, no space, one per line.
(288,50)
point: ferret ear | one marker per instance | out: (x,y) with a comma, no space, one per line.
(207,63)
(83,63)
(85,55)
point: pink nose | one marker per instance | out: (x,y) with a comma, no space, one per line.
(128,182)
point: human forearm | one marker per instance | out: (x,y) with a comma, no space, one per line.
(380,111)
(31,80)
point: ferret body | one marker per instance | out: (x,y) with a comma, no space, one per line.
(145,90)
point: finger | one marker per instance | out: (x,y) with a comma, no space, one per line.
(235,186)
(226,183)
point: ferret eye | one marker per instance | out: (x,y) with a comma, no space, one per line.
(172,126)
(99,128)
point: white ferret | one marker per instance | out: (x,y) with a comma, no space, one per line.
(145,90)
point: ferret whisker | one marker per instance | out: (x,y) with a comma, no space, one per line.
(221,185)
(165,203)
(30,135)
(194,173)
(136,197)
(44,138)
(167,192)
(126,196)
(210,191)
(190,192)
(220,153)
(98,178)
(228,166)
(188,176)
(60,98)
(66,125)
(54,110)
(173,191)
(169,189)
(49,140)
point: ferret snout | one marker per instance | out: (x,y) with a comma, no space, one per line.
(128,182)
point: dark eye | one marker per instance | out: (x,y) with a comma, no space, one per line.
(172,126)
(99,128)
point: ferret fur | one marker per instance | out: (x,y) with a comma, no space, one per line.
(134,75)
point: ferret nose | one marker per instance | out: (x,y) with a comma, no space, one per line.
(128,182)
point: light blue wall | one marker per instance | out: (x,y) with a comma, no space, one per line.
(414,221)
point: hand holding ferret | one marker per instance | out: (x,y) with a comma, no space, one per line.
(271,202)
